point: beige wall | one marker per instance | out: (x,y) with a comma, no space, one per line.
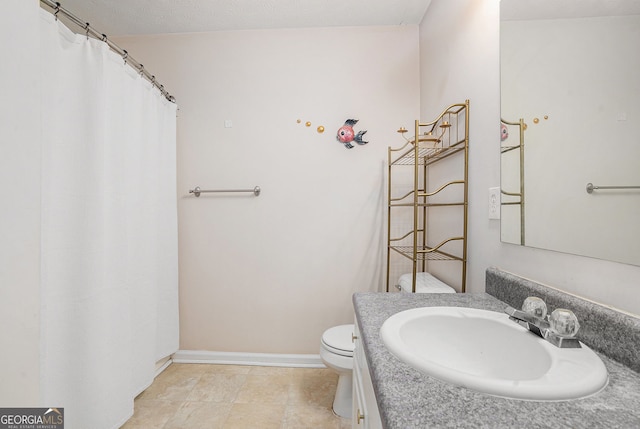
(459,43)
(270,274)
(20,215)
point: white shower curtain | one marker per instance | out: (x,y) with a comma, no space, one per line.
(109,299)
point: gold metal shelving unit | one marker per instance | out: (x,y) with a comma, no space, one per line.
(434,141)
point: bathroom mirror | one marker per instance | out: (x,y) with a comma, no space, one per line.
(571,71)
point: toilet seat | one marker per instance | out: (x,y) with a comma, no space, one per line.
(338,340)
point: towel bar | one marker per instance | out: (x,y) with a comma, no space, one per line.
(591,187)
(197,191)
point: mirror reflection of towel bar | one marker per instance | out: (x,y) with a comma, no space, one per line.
(197,191)
(591,187)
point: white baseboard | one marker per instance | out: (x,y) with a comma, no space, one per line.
(258,359)
(162,364)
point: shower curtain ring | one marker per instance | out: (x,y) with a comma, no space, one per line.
(104,37)
(125,54)
(86,27)
(57,9)
(141,68)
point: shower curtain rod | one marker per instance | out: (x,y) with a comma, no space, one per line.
(56,8)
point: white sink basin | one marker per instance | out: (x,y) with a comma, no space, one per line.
(485,351)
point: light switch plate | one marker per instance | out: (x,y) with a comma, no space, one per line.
(494,203)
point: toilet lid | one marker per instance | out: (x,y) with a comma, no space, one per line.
(339,338)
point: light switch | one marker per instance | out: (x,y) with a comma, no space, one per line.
(494,203)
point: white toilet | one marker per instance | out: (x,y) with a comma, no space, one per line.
(336,351)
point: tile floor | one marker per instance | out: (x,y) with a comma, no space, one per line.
(201,396)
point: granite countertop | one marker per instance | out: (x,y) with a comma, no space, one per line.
(409,399)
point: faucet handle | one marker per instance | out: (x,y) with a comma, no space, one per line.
(535,306)
(564,323)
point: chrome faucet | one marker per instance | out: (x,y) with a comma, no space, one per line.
(559,329)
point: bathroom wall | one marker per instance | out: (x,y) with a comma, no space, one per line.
(269,274)
(459,51)
(20,214)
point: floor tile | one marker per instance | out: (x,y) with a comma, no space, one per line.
(309,416)
(151,413)
(318,390)
(268,389)
(221,387)
(200,415)
(255,415)
(212,396)
(170,389)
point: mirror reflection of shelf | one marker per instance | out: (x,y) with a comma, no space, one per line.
(516,198)
(584,131)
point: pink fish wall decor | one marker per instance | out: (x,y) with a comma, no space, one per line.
(504,132)
(346,134)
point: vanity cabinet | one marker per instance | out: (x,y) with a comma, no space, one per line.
(415,218)
(365,414)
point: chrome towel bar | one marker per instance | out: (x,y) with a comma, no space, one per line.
(591,187)
(197,191)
